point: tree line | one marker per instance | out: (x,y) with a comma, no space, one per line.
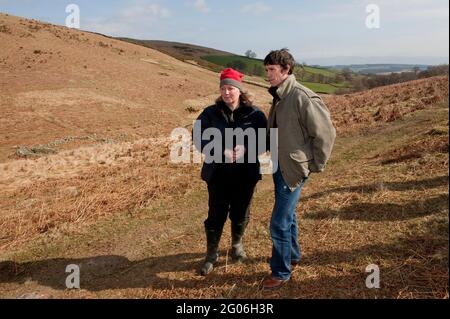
(365,82)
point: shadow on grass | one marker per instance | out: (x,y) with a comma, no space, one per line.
(385,212)
(402,249)
(117,272)
(396,186)
(414,259)
(395,282)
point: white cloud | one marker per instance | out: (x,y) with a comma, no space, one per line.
(125,23)
(390,10)
(201,6)
(409,28)
(152,11)
(257,8)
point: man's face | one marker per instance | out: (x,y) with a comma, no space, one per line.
(276,74)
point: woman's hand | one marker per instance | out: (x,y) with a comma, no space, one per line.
(229,154)
(235,155)
(239,152)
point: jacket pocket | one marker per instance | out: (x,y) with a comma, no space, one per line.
(300,161)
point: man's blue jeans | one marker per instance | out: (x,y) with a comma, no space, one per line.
(284,228)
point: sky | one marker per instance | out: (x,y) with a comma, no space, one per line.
(322,32)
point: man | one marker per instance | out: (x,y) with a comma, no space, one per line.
(305,139)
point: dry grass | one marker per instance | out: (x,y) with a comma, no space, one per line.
(359,212)
(123,182)
(386,104)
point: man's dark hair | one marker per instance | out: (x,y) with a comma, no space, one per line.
(281,57)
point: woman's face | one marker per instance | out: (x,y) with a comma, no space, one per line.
(230,95)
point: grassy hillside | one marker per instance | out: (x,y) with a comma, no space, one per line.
(248,65)
(256,67)
(326,72)
(182,51)
(321,88)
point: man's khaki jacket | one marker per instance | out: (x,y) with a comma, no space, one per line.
(305,132)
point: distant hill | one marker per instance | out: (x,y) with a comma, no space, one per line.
(182,49)
(380,68)
(347,60)
(322,80)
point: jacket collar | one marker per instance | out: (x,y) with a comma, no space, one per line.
(241,111)
(283,90)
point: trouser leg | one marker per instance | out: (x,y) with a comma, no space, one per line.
(239,215)
(283,227)
(217,215)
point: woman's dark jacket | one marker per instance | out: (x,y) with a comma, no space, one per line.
(220,116)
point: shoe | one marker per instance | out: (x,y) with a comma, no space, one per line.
(273,283)
(238,254)
(212,244)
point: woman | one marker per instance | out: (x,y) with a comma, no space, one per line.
(231,170)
